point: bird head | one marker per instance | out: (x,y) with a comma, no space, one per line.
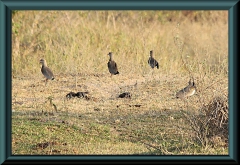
(43,62)
(151,53)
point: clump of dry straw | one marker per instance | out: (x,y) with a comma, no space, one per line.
(211,127)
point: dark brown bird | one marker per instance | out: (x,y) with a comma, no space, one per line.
(81,94)
(112,65)
(78,94)
(46,71)
(125,95)
(152,62)
(70,95)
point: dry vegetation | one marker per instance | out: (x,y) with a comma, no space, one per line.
(75,45)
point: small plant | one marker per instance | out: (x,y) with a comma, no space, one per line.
(211,127)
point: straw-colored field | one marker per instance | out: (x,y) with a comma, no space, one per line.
(75,45)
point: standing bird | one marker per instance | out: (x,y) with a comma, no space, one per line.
(187,91)
(151,61)
(112,65)
(46,71)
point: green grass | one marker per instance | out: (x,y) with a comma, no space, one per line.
(124,134)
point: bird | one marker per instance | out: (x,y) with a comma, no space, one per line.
(71,95)
(112,65)
(82,94)
(78,94)
(46,71)
(125,95)
(187,91)
(152,62)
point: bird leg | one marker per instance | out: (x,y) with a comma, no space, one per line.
(46,82)
(152,74)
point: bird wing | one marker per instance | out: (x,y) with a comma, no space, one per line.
(149,60)
(115,65)
(48,73)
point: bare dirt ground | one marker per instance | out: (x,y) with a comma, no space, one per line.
(152,91)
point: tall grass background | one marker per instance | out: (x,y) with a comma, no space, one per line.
(80,40)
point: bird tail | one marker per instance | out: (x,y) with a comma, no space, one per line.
(53,78)
(157,65)
(117,73)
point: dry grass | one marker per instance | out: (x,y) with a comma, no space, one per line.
(212,126)
(75,46)
(75,42)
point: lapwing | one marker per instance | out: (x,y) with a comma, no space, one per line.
(125,95)
(152,62)
(187,91)
(46,71)
(112,65)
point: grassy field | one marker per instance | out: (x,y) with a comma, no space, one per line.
(75,45)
